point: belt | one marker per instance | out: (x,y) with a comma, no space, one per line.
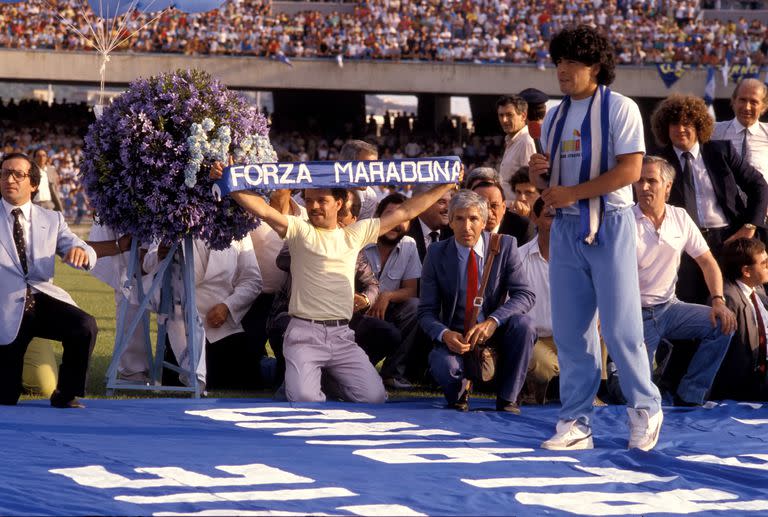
(713,231)
(325,323)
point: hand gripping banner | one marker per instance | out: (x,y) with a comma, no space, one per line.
(265,177)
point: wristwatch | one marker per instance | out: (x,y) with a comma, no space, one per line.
(750,226)
(716,296)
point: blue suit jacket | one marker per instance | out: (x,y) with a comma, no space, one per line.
(49,236)
(440,277)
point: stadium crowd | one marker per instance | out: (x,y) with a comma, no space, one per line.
(488,31)
(494,284)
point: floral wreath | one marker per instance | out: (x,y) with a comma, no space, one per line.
(146,158)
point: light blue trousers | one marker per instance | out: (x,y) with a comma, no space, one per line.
(585,279)
(677,320)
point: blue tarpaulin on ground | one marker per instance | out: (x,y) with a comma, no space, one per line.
(260,457)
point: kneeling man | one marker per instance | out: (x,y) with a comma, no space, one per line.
(450,284)
(30,236)
(663,233)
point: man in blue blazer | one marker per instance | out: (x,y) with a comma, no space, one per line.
(30,237)
(450,268)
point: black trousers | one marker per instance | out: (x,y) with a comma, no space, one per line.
(59,321)
(255,322)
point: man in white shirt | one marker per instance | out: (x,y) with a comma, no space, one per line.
(534,258)
(431,225)
(512,111)
(663,233)
(395,262)
(745,131)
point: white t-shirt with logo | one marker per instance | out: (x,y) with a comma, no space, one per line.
(625,137)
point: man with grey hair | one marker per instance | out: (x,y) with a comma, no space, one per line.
(450,283)
(361,150)
(512,111)
(745,131)
(663,233)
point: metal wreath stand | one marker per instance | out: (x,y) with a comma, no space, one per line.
(126,327)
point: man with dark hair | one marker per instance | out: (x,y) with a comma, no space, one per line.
(512,111)
(725,196)
(431,225)
(501,220)
(395,262)
(30,237)
(595,145)
(525,192)
(450,288)
(742,374)
(323,257)
(748,135)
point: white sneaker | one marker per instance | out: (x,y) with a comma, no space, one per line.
(570,435)
(644,430)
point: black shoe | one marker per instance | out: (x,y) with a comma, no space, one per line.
(462,404)
(507,407)
(679,402)
(60,401)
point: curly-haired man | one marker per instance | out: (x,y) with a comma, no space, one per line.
(594,144)
(711,180)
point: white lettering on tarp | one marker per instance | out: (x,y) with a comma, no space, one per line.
(599,476)
(257,414)
(752,421)
(347,429)
(290,494)
(731,462)
(454,455)
(341,168)
(373,510)
(378,443)
(96,476)
(640,503)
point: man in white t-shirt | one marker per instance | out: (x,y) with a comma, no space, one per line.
(323,256)
(598,137)
(663,233)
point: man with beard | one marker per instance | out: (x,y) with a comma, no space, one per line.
(432,225)
(395,261)
(323,256)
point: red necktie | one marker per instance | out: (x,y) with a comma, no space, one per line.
(761,332)
(471,290)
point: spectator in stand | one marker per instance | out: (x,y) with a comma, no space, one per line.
(501,220)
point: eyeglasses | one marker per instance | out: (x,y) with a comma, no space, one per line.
(17,175)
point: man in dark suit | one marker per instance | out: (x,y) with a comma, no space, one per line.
(449,289)
(724,195)
(742,374)
(30,236)
(501,220)
(432,225)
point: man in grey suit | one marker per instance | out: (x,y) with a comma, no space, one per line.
(742,374)
(30,237)
(450,283)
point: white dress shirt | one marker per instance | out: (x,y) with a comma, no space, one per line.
(708,209)
(425,231)
(763,312)
(536,270)
(659,252)
(757,141)
(518,149)
(26,224)
(267,245)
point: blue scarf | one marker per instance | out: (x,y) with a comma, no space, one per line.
(595,131)
(265,177)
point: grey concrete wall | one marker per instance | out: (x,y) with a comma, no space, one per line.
(360,76)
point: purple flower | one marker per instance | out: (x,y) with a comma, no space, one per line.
(135,156)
